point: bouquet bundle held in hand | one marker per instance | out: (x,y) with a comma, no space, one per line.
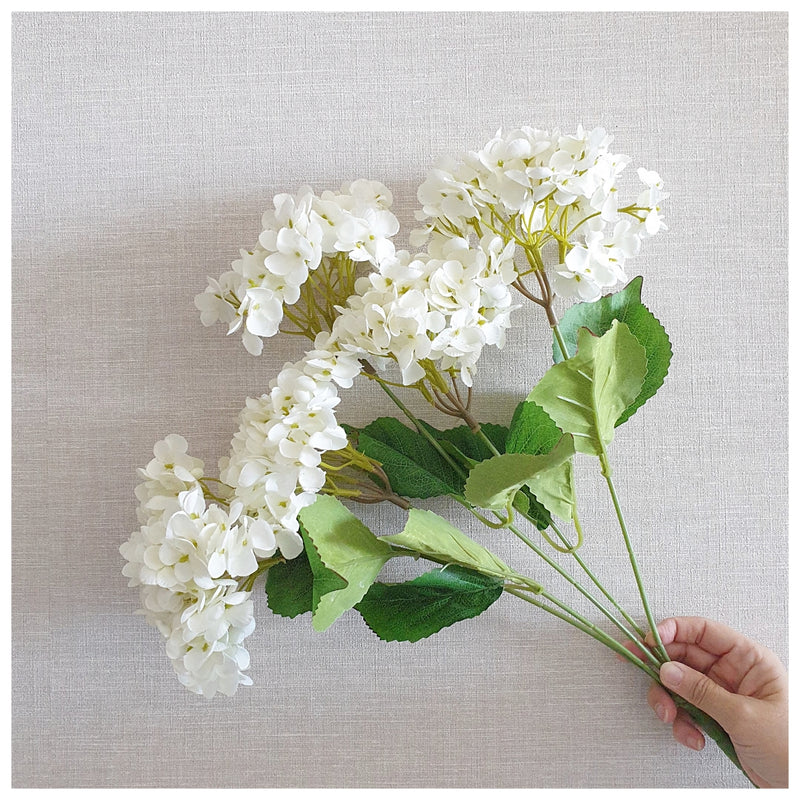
(531,216)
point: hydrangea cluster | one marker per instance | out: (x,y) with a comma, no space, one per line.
(539,188)
(301,233)
(185,558)
(442,306)
(188,553)
(275,462)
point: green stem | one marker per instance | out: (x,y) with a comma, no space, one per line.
(606,469)
(487,441)
(713,729)
(586,627)
(246,583)
(419,426)
(560,339)
(588,595)
(706,723)
(596,581)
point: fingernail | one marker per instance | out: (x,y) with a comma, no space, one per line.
(661,712)
(671,674)
(697,743)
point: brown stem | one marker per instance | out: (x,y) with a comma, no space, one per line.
(380,498)
(544,285)
(441,404)
(523,290)
(548,293)
(463,410)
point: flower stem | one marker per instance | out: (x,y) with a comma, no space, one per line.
(414,421)
(487,441)
(709,725)
(713,729)
(596,581)
(606,469)
(586,627)
(560,339)
(588,595)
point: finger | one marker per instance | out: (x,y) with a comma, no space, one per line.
(693,655)
(702,691)
(689,653)
(667,629)
(664,706)
(709,635)
(687,733)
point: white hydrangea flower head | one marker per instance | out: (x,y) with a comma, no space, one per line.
(205,640)
(533,187)
(302,232)
(185,561)
(274,465)
(442,306)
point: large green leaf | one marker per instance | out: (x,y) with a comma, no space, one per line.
(532,430)
(493,482)
(430,535)
(346,547)
(586,394)
(290,587)
(408,612)
(625,306)
(412,464)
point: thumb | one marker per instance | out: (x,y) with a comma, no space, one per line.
(701,691)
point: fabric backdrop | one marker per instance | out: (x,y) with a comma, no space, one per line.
(145,147)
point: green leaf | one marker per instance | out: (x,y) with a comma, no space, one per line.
(324,580)
(493,482)
(532,430)
(408,612)
(430,535)
(290,587)
(411,463)
(469,444)
(346,547)
(586,394)
(625,306)
(536,512)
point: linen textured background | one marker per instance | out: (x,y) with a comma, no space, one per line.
(145,147)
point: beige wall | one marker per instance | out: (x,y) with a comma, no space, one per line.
(145,149)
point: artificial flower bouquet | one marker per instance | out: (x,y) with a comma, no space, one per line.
(532,216)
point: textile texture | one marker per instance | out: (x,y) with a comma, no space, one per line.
(145,148)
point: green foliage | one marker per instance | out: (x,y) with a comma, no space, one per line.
(493,482)
(532,430)
(290,587)
(411,463)
(324,580)
(625,306)
(586,394)
(346,548)
(410,611)
(430,535)
(470,445)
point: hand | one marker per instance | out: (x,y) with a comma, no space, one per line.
(739,683)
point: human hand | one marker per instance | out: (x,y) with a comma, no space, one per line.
(738,682)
